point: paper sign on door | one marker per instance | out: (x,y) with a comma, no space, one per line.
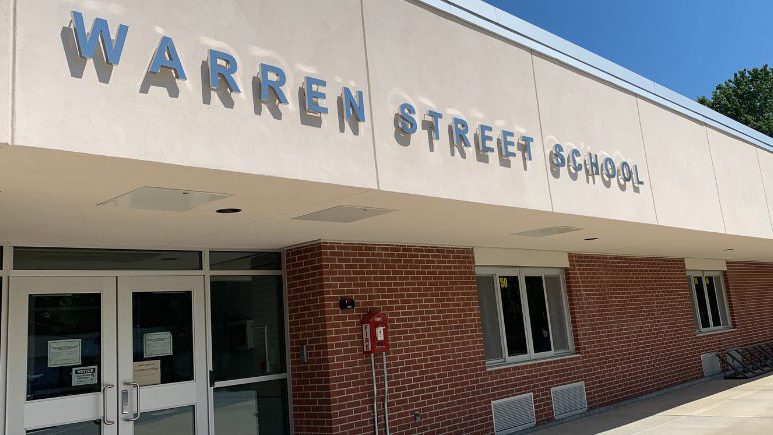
(84,375)
(63,353)
(147,372)
(157,344)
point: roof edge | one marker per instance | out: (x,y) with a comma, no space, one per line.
(510,27)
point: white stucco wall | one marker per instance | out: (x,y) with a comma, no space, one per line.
(766,169)
(6,39)
(693,176)
(740,186)
(62,104)
(419,57)
(581,113)
(681,170)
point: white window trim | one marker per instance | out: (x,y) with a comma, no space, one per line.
(522,272)
(691,274)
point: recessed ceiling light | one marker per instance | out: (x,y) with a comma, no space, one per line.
(546,232)
(228,210)
(344,214)
(590,238)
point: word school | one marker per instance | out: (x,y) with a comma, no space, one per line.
(221,65)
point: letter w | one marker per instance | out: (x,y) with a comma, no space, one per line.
(87,42)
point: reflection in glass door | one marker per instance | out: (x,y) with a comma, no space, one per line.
(62,337)
(161,356)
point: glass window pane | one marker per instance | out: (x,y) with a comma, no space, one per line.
(234,260)
(489,317)
(703,311)
(175,421)
(557,308)
(538,314)
(103,259)
(64,334)
(248,337)
(163,334)
(252,409)
(512,311)
(711,297)
(724,312)
(84,428)
(714,298)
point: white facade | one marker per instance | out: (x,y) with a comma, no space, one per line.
(77,132)
(693,175)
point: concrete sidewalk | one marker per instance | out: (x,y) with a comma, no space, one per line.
(713,407)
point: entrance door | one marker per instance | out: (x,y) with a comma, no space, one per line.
(161,356)
(62,356)
(107,356)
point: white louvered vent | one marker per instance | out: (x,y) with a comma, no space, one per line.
(513,414)
(569,400)
(711,365)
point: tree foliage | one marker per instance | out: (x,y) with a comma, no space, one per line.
(747,98)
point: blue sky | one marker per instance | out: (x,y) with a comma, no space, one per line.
(686,45)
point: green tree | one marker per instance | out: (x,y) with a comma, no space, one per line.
(747,98)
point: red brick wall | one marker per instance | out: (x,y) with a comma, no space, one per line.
(751,301)
(311,380)
(632,318)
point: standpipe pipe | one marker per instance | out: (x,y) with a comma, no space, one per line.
(386,396)
(375,393)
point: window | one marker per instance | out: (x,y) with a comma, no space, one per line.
(524,314)
(33,258)
(247,323)
(711,309)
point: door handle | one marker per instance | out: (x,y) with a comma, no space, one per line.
(104,405)
(124,402)
(138,411)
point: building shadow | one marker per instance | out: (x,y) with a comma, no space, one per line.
(615,417)
(223,92)
(77,64)
(162,79)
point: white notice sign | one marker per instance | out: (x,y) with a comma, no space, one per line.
(63,353)
(147,372)
(84,375)
(157,344)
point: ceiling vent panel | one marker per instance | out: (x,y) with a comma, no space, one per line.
(344,214)
(163,199)
(547,232)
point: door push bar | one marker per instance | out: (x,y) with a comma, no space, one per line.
(125,402)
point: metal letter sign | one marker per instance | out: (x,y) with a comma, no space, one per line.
(226,70)
(100,33)
(166,57)
(221,68)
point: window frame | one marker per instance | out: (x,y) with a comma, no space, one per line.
(718,276)
(284,376)
(522,272)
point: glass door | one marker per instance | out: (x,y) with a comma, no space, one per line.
(62,345)
(162,361)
